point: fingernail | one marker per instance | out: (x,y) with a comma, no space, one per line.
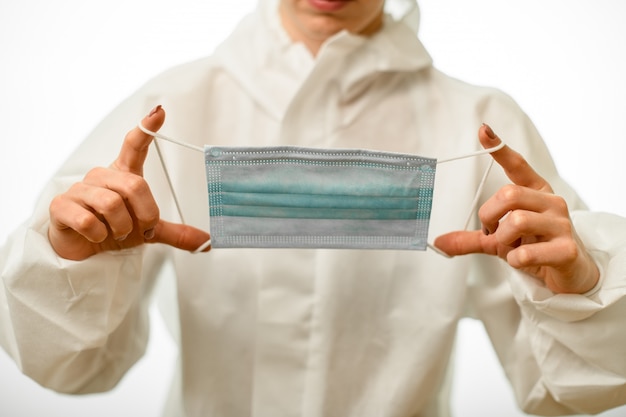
(489,131)
(149,234)
(154,110)
(121,238)
(205,247)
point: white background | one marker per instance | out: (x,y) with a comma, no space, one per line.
(64,64)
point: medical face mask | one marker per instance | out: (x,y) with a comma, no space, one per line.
(292,197)
(318,198)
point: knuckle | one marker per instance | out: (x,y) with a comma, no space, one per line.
(150,217)
(509,192)
(111,202)
(57,203)
(77,189)
(135,184)
(519,219)
(524,257)
(85,222)
(564,227)
(560,205)
(154,215)
(185,238)
(149,211)
(457,245)
(569,251)
(181,240)
(96,172)
(482,213)
(60,206)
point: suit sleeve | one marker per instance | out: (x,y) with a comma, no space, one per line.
(563,353)
(76,327)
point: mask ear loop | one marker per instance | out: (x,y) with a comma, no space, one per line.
(479,190)
(206,244)
(170,184)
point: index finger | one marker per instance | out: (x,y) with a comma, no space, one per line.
(514,165)
(137,143)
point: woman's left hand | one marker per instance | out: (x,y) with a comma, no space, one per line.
(527,225)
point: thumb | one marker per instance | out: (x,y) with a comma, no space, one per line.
(466,242)
(180,236)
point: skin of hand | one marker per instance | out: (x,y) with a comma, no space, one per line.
(113,208)
(527,225)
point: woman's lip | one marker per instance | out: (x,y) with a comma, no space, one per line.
(328,5)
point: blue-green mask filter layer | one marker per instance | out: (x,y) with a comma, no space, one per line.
(291,197)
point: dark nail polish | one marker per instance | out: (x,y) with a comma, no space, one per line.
(489,131)
(149,234)
(154,110)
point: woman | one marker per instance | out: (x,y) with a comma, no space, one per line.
(322,332)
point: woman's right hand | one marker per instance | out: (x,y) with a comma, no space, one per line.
(113,208)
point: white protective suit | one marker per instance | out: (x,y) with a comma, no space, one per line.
(272,332)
